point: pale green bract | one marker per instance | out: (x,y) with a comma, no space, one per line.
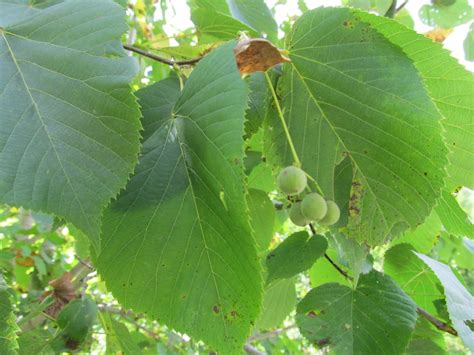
(349,88)
(177,244)
(69,125)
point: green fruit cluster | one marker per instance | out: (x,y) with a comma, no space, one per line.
(313,208)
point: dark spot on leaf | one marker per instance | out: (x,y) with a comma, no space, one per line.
(311,314)
(270,256)
(323,342)
(216,309)
(234,313)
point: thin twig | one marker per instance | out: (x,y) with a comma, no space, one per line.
(328,258)
(436,322)
(392,9)
(269,335)
(401,6)
(161,59)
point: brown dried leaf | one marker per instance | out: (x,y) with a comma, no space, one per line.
(63,293)
(257,54)
(439,34)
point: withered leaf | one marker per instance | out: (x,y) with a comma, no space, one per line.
(257,54)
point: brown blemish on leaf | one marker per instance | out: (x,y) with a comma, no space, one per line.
(257,54)
(311,314)
(323,342)
(216,309)
(355,198)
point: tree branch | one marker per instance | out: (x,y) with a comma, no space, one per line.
(328,258)
(436,322)
(161,59)
(401,6)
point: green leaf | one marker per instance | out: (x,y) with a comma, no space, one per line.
(177,242)
(35,341)
(459,301)
(354,253)
(372,102)
(69,124)
(426,340)
(450,86)
(343,175)
(295,254)
(423,237)
(118,336)
(446,16)
(8,326)
(375,318)
(278,301)
(450,249)
(257,102)
(413,276)
(455,220)
(255,14)
(219,5)
(77,318)
(262,217)
(214,26)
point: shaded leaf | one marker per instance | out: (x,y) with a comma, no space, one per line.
(256,14)
(375,318)
(426,339)
(69,124)
(77,318)
(8,326)
(459,301)
(262,217)
(257,103)
(295,254)
(178,242)
(213,26)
